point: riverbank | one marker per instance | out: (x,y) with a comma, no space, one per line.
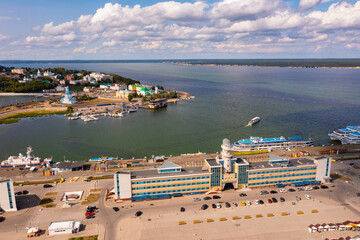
(15,116)
(250,65)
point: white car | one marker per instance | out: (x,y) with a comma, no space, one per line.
(218,205)
(248,203)
(308,188)
(283,190)
(256,202)
(307,197)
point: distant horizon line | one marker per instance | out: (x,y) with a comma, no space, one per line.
(172,59)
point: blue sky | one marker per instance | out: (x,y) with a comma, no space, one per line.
(128,29)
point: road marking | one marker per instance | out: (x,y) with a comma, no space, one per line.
(299,212)
(196,221)
(209,220)
(259,216)
(314,211)
(182,223)
(247,217)
(235,218)
(284,214)
(270,215)
(222,219)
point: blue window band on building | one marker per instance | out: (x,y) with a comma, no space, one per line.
(170,180)
(283,170)
(283,181)
(172,185)
(9,194)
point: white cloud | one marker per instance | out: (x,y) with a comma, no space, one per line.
(79,50)
(238,9)
(308,4)
(3,37)
(5,18)
(227,25)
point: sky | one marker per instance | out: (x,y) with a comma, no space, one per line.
(180,29)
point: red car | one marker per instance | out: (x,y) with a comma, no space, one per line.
(89,213)
(269,200)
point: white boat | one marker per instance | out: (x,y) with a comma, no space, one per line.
(22,161)
(253,121)
(259,143)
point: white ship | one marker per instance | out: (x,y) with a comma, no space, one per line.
(22,161)
(259,143)
(253,121)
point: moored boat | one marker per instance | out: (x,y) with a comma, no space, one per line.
(22,161)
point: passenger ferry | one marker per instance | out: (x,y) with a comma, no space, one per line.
(253,121)
(259,143)
(24,161)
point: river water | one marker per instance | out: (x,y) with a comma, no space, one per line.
(290,101)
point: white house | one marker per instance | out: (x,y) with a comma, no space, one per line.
(64,227)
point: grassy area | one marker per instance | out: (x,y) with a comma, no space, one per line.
(339,177)
(36,182)
(95,190)
(9,121)
(47,202)
(93,237)
(50,193)
(93,197)
(101,177)
(16,117)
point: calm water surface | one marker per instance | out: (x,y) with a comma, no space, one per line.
(290,102)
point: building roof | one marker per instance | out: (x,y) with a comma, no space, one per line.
(62,225)
(153,173)
(298,162)
(168,165)
(213,163)
(70,164)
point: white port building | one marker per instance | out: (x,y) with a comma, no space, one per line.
(7,195)
(64,227)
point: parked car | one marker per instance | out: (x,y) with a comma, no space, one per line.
(300,189)
(264,192)
(307,197)
(196,199)
(213,205)
(204,207)
(298,198)
(248,203)
(308,188)
(282,199)
(269,200)
(274,200)
(182,209)
(324,187)
(256,202)
(292,190)
(283,190)
(261,201)
(18,193)
(235,204)
(316,188)
(89,216)
(227,205)
(218,205)
(216,197)
(242,195)
(116,209)
(273,192)
(89,213)
(25,192)
(207,198)
(2,219)
(138,213)
(91,208)
(243,203)
(48,186)
(352,164)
